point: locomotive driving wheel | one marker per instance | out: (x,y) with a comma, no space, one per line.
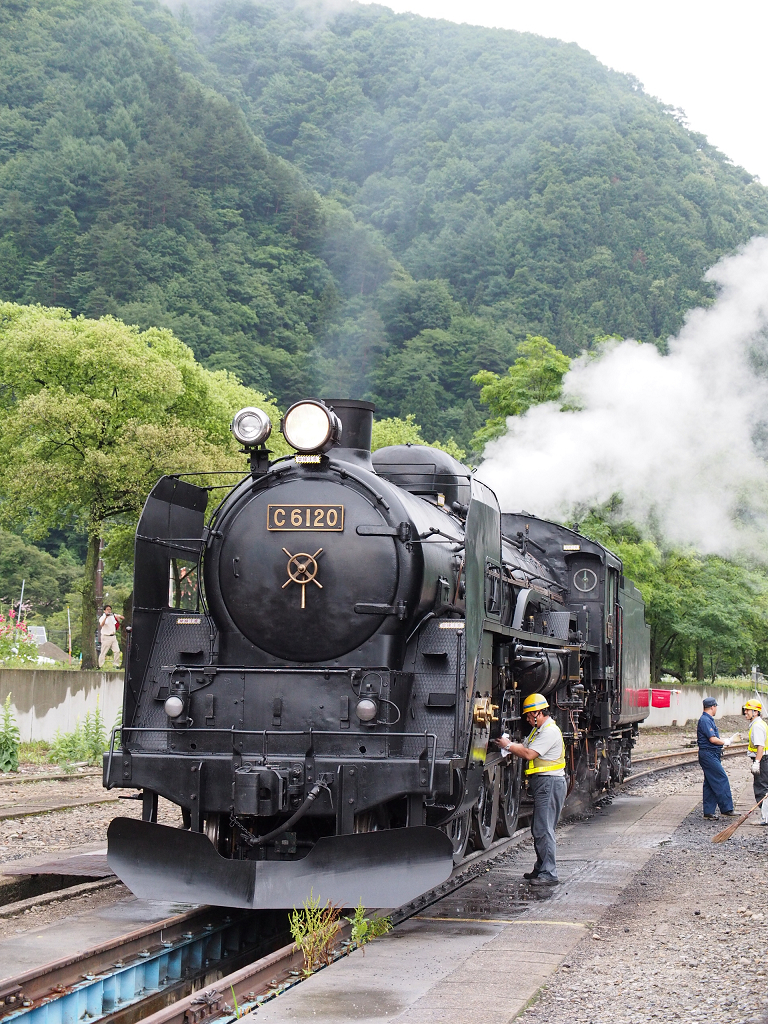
(457,830)
(510,787)
(486,810)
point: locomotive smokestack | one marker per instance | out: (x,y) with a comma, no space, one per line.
(356,426)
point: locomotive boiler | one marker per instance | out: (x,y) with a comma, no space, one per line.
(316,669)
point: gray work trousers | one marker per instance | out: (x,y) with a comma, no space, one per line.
(760,786)
(548,792)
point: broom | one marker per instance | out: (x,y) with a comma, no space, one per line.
(725,835)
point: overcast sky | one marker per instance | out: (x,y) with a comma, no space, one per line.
(707,59)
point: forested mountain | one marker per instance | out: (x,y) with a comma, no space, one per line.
(127,187)
(348,200)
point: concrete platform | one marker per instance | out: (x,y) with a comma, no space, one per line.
(79,932)
(481,954)
(84,865)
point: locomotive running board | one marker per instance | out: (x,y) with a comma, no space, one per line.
(379,869)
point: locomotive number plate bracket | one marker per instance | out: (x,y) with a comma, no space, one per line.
(303,518)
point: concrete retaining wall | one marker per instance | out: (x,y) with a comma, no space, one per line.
(685,706)
(45,701)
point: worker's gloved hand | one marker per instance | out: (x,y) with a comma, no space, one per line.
(755,768)
(506,753)
(727,743)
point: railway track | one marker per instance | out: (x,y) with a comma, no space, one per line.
(675,759)
(188,968)
(210,964)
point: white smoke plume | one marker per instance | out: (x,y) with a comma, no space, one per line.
(683,437)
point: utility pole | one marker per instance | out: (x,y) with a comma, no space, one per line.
(98,594)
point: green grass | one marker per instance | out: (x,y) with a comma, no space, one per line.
(731,682)
(34,752)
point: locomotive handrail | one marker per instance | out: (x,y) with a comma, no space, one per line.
(265,733)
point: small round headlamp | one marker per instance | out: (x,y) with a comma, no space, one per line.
(174,706)
(310,426)
(251,426)
(367,709)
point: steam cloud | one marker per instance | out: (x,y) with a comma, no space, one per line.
(683,437)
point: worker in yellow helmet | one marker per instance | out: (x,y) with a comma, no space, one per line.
(544,750)
(758,733)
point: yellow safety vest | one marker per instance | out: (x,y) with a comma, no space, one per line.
(750,745)
(542,764)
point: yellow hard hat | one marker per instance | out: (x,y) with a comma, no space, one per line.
(534,702)
(753,705)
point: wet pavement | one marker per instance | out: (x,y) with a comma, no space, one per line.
(482,952)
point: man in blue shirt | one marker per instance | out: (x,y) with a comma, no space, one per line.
(717,788)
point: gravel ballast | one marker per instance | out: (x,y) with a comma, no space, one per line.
(687,939)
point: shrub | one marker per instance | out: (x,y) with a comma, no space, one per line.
(314,930)
(87,742)
(9,739)
(366,928)
(16,643)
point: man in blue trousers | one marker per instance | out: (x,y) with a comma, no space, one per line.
(717,788)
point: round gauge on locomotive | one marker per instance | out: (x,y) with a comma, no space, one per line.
(585,580)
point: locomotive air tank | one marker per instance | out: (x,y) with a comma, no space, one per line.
(320,700)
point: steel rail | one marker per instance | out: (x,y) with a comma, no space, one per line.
(251,984)
(677,759)
(145,968)
(15,780)
(736,748)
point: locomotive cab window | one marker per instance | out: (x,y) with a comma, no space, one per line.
(182,584)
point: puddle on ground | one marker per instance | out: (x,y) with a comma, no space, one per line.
(501,898)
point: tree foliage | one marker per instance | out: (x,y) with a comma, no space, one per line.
(106,409)
(129,188)
(47,579)
(705,612)
(550,193)
(341,200)
(394,430)
(535,376)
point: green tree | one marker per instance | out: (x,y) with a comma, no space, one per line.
(47,580)
(536,376)
(94,412)
(693,602)
(395,430)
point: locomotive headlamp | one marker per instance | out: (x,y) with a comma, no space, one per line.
(174,706)
(251,426)
(310,427)
(367,709)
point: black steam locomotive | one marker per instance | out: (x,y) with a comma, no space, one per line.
(315,673)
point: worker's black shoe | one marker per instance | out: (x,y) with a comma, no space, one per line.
(543,881)
(710,815)
(729,814)
(530,874)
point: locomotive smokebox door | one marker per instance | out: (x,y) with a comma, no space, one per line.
(290,570)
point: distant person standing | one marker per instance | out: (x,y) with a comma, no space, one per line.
(717,788)
(110,624)
(758,733)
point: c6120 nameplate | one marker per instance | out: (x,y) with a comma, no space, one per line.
(294,518)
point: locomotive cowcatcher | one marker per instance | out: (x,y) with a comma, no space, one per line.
(315,673)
